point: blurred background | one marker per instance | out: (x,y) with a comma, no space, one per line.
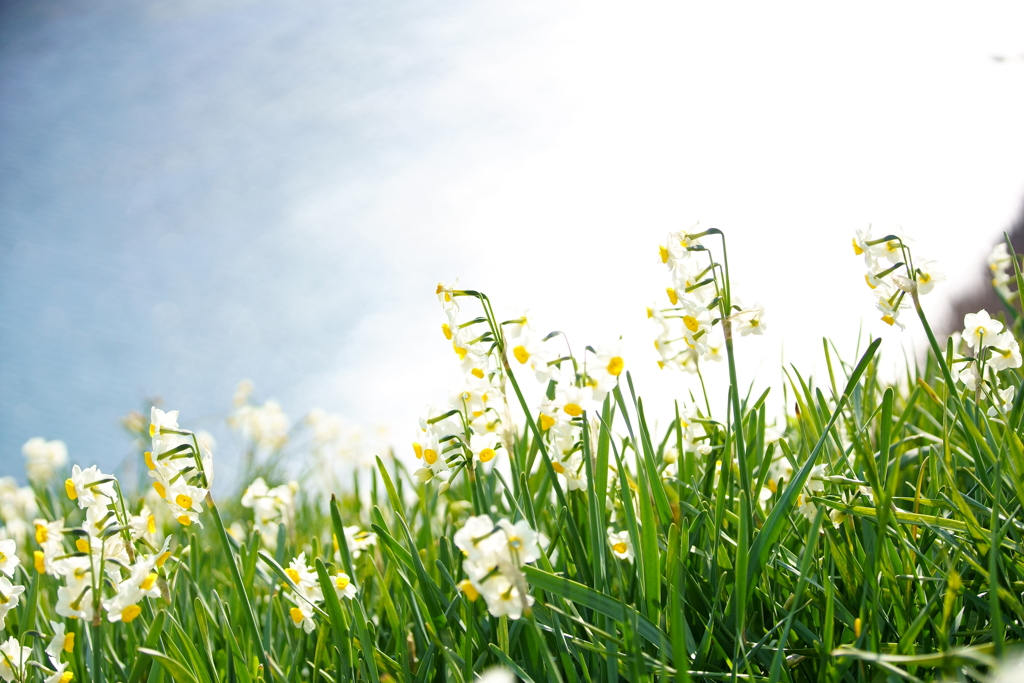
(193,193)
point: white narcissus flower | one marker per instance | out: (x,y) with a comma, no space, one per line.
(520,542)
(621,544)
(9,598)
(9,560)
(359,540)
(1004,352)
(343,586)
(484,446)
(889,304)
(185,501)
(302,615)
(573,401)
(980,329)
(816,480)
(14,660)
(84,488)
(304,579)
(750,320)
(572,469)
(676,251)
(1002,401)
(50,537)
(893,249)
(61,642)
(527,347)
(160,421)
(999,258)
(476,538)
(605,367)
(690,282)
(60,674)
(927,276)
(446,295)
(43,459)
(496,674)
(806,507)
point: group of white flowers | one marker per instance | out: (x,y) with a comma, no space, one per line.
(892,273)
(494,557)
(687,331)
(306,591)
(271,508)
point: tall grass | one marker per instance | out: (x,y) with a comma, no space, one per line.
(874,535)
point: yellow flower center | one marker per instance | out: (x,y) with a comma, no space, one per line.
(691,323)
(151,524)
(856,248)
(924,278)
(467,587)
(546,422)
(619,547)
(573,410)
(82,545)
(477,372)
(418,450)
(460,352)
(867,279)
(69,488)
(486,455)
(672,296)
(42,533)
(888,319)
(160,561)
(149,460)
(183,501)
(430,455)
(663,253)
(341,582)
(69,643)
(130,612)
(521,354)
(66,676)
(615,366)
(159,488)
(296,615)
(40,561)
(558,467)
(185,520)
(447,331)
(293,574)
(152,429)
(148,582)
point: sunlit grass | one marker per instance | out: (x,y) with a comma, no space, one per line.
(873,533)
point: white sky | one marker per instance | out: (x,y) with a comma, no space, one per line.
(198,192)
(787,126)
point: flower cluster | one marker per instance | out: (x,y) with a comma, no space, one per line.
(17,507)
(306,592)
(14,657)
(266,426)
(990,350)
(43,459)
(181,466)
(1000,263)
(494,557)
(689,331)
(271,508)
(466,428)
(892,273)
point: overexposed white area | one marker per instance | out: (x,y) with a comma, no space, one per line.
(265,190)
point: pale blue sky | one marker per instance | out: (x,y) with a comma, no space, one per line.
(196,193)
